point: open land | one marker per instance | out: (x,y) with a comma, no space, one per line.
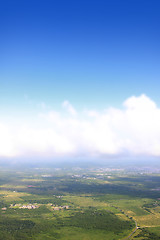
(79,203)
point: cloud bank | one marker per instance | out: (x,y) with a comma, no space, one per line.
(132,130)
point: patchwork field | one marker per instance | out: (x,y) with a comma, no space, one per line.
(83,204)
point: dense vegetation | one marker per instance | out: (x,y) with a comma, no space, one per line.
(93,219)
(78,204)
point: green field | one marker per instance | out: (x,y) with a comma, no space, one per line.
(83,204)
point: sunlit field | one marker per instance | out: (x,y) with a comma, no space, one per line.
(84,204)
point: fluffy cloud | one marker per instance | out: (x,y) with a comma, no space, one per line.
(133,130)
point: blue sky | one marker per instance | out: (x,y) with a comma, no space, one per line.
(92,54)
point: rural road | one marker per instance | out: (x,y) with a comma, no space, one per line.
(132,219)
(133,231)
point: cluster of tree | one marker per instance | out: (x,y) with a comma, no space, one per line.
(80,187)
(145,234)
(15,229)
(97,219)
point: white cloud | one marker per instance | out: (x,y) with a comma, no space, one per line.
(69,108)
(134,129)
(7,146)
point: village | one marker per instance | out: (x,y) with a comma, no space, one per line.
(27,206)
(35,205)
